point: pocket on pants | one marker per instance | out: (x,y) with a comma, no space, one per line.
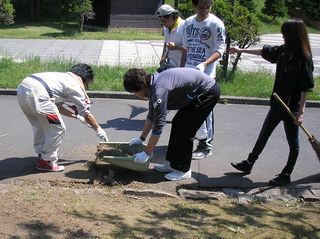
(33,101)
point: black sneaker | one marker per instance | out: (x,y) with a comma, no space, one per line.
(281,180)
(244,166)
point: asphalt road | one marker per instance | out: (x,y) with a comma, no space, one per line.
(237,127)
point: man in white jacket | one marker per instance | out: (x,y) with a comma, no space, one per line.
(43,97)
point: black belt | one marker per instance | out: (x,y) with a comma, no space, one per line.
(44,84)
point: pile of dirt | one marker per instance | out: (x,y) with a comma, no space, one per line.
(110,150)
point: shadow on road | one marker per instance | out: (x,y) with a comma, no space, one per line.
(17,167)
(310,179)
(126,124)
(123,124)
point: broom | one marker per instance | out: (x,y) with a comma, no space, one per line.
(313,141)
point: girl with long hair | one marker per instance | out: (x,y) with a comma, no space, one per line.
(293,80)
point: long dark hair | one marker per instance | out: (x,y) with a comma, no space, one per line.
(296,39)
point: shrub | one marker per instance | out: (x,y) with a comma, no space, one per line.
(186,8)
(248,4)
(274,8)
(309,7)
(6,12)
(241,28)
(80,9)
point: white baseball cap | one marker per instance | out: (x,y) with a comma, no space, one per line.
(165,10)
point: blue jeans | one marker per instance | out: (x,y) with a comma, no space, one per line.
(273,118)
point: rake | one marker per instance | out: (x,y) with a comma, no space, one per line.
(313,141)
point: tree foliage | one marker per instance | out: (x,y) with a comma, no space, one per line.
(249,4)
(309,7)
(186,8)
(274,8)
(6,12)
(79,10)
(241,29)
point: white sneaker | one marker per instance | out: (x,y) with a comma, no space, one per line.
(164,168)
(178,175)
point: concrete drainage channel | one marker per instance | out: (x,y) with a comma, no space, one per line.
(266,194)
(254,195)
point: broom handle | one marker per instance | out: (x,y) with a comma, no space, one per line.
(292,115)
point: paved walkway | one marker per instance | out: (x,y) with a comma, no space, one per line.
(252,62)
(129,53)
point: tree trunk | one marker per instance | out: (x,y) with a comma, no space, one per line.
(81,23)
(225,60)
(176,4)
(234,66)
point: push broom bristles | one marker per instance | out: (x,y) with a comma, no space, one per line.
(315,145)
(313,141)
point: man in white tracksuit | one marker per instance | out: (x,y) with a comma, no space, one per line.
(204,39)
(43,97)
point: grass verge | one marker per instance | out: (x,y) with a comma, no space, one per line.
(107,78)
(67,30)
(73,211)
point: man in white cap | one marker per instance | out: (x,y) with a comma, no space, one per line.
(173,54)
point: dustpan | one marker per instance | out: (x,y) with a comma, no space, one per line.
(121,155)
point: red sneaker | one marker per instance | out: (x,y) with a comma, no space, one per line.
(49,166)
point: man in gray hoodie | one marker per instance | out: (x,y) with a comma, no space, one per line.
(193,93)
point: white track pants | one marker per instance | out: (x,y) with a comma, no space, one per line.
(48,126)
(206,130)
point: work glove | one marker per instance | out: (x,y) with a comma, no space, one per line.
(102,134)
(141,157)
(136,140)
(201,67)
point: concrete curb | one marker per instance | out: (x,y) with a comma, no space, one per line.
(223,99)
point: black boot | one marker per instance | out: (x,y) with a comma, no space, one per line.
(281,180)
(244,166)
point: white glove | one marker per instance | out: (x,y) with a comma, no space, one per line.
(141,157)
(102,134)
(137,140)
(201,67)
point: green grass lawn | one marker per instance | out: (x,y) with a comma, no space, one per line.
(251,84)
(257,84)
(60,30)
